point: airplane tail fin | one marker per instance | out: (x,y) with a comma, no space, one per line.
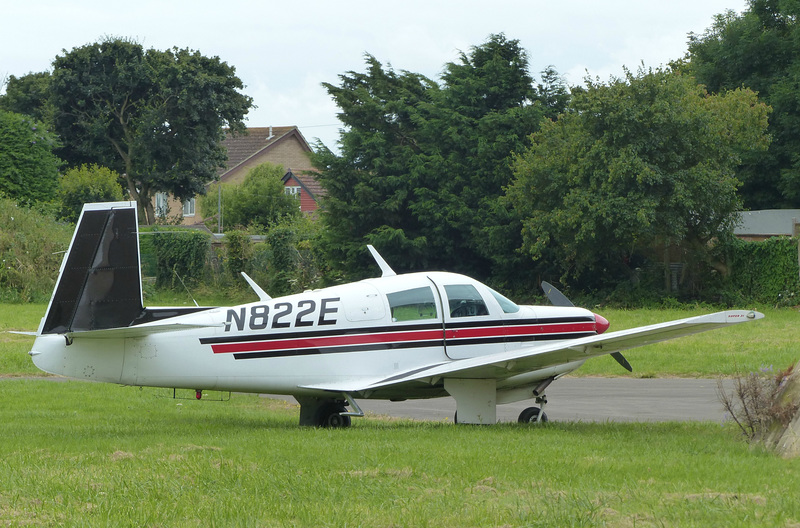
(99,285)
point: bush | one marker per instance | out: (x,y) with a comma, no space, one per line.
(180,256)
(755,404)
(762,272)
(32,246)
(87,184)
(259,201)
(287,262)
(239,249)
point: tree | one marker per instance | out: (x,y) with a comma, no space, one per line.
(759,49)
(156,117)
(639,163)
(422,166)
(29,95)
(87,184)
(28,166)
(259,201)
(369,186)
(553,93)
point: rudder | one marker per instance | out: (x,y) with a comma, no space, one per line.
(100,284)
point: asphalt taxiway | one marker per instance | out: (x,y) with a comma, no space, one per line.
(589,400)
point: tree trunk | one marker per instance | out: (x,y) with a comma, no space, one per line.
(146,204)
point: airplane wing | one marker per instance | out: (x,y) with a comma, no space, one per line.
(507,364)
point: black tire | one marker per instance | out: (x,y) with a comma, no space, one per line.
(530,415)
(329,416)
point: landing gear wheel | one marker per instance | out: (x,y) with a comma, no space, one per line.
(532,414)
(329,416)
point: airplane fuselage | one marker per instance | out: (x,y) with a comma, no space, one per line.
(373,328)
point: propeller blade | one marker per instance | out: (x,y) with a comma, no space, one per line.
(555,297)
(622,361)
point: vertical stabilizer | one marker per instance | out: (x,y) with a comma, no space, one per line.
(100,284)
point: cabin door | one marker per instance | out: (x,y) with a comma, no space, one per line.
(470,328)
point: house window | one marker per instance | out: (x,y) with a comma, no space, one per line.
(162,207)
(188,207)
(292,190)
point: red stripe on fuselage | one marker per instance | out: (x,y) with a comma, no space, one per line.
(521,330)
(400,337)
(322,341)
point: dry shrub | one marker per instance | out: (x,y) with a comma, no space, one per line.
(755,403)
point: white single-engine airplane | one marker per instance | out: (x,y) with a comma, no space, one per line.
(417,335)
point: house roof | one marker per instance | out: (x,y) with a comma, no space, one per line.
(242,147)
(768,222)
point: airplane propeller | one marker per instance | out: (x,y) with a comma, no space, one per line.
(557,298)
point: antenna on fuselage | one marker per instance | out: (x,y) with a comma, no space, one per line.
(262,295)
(386,270)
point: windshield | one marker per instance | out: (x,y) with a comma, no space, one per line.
(507,305)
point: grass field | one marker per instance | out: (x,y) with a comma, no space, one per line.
(86,454)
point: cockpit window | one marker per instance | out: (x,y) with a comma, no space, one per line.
(507,305)
(465,301)
(412,305)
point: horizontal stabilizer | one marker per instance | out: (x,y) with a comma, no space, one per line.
(139,331)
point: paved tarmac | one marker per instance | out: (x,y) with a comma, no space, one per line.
(583,400)
(589,400)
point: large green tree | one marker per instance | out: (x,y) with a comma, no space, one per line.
(28,165)
(759,49)
(156,117)
(423,164)
(642,162)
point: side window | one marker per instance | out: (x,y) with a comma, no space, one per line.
(412,305)
(465,301)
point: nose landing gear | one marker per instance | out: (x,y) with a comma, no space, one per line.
(534,414)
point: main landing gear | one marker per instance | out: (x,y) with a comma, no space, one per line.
(327,412)
(330,415)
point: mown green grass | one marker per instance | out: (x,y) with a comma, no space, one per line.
(86,454)
(14,359)
(741,348)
